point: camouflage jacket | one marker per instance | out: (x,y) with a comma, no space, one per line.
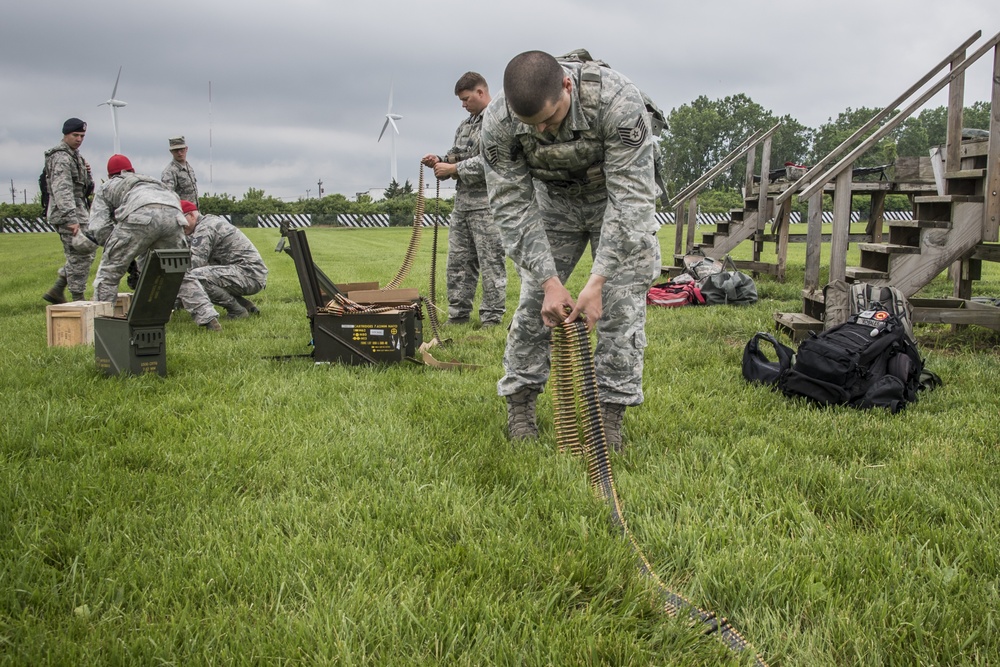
(68,184)
(470,190)
(180,178)
(124,194)
(216,242)
(611,146)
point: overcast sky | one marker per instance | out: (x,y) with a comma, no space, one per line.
(299,88)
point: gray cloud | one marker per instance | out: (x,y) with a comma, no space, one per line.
(299,88)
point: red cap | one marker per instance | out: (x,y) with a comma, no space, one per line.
(187,207)
(117,164)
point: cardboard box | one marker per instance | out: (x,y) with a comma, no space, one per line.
(122,304)
(352,287)
(72,323)
(390,297)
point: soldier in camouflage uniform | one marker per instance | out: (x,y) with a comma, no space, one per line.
(69,184)
(570,162)
(224,261)
(179,174)
(473,239)
(133,213)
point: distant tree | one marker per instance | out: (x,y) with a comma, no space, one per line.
(834,132)
(400,209)
(396,190)
(918,134)
(702,133)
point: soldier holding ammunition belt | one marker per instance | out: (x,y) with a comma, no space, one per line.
(569,156)
(473,239)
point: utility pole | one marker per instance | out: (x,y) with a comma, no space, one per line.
(13,192)
(307,193)
(319,184)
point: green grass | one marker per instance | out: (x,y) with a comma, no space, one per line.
(244,510)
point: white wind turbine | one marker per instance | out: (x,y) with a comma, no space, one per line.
(390,119)
(114,104)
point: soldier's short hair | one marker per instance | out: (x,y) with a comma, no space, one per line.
(470,81)
(532,80)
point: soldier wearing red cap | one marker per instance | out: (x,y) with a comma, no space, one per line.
(224,261)
(132,214)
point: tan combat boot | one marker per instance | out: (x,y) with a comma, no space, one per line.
(613,414)
(521,415)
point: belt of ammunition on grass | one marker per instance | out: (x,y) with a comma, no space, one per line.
(580,428)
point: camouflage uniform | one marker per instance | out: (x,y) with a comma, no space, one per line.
(593,182)
(68,184)
(225,262)
(474,243)
(179,177)
(136,213)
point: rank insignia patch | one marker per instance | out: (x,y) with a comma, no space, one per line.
(492,154)
(634,136)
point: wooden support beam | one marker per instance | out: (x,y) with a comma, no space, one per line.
(814,241)
(841,225)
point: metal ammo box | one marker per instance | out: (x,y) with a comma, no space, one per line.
(357,338)
(136,344)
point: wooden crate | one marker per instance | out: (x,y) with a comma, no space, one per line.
(122,304)
(72,323)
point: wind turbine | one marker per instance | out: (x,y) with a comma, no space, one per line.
(114,104)
(390,119)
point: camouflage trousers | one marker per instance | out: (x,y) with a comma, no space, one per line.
(227,279)
(76,270)
(150,227)
(474,247)
(621,332)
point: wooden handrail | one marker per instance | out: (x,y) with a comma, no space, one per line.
(849,159)
(877,118)
(747,144)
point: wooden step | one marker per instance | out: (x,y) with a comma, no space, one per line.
(945,199)
(796,325)
(889,248)
(955,311)
(857,273)
(965,174)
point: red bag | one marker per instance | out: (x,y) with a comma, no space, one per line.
(671,295)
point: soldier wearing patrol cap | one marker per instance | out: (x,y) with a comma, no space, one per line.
(569,161)
(179,174)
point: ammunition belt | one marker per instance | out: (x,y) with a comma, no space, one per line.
(579,427)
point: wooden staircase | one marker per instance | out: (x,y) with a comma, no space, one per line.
(946,231)
(955,229)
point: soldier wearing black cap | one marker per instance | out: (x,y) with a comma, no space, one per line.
(70,185)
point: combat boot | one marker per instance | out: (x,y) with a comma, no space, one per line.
(77,296)
(249,305)
(613,414)
(213,324)
(521,415)
(55,294)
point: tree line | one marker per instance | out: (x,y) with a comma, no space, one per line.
(699,135)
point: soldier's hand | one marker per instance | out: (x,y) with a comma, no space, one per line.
(556,302)
(445,170)
(429,160)
(82,243)
(589,305)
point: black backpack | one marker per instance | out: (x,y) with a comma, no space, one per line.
(868,361)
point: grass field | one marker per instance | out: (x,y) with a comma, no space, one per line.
(250,511)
